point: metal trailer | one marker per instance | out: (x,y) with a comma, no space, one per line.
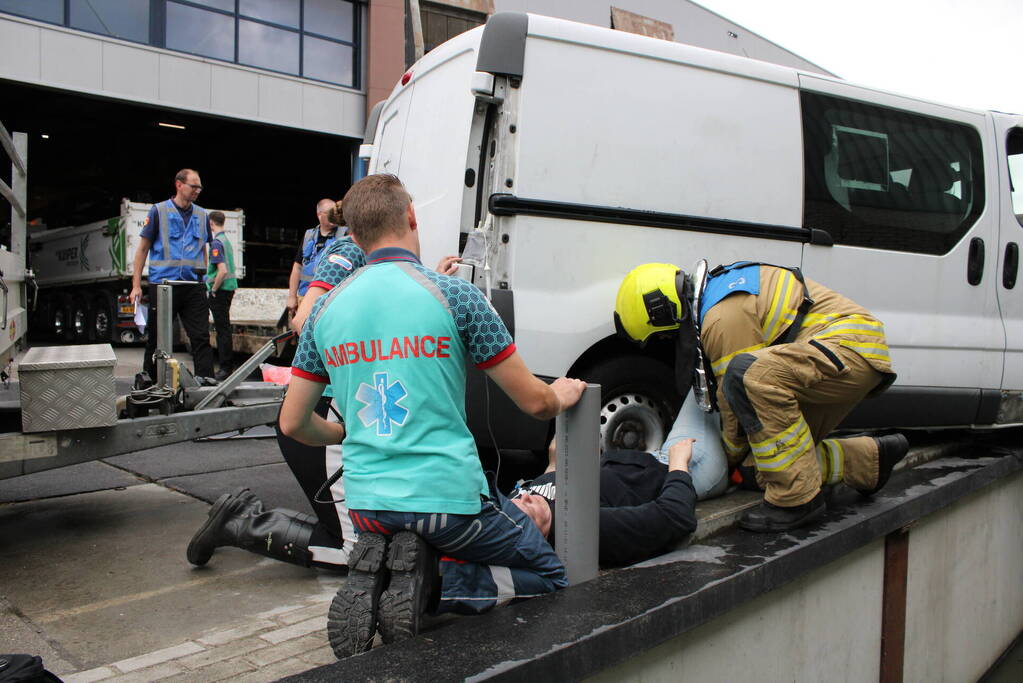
(186,410)
(84,273)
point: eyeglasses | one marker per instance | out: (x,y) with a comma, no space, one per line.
(194,187)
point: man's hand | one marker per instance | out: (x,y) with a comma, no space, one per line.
(292,305)
(136,295)
(448,265)
(679,455)
(568,391)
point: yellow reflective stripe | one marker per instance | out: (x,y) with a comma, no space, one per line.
(721,364)
(771,442)
(838,461)
(851,328)
(818,318)
(778,306)
(830,457)
(733,448)
(866,349)
(784,459)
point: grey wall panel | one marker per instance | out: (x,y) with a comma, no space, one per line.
(235,91)
(131,73)
(71,61)
(19,51)
(51,56)
(185,83)
(280,99)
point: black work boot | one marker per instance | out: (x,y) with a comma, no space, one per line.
(767,518)
(414,586)
(352,618)
(238,520)
(891,448)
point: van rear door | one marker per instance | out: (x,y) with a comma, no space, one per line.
(1009,141)
(423,138)
(906,191)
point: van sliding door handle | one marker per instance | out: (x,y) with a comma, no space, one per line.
(1010,265)
(975,262)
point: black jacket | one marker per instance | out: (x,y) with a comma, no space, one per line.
(644,508)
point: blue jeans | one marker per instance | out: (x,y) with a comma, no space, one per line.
(709,465)
(491,557)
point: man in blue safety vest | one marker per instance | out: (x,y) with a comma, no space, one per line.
(392,340)
(174,238)
(314,242)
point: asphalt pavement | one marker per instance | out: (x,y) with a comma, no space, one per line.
(93,575)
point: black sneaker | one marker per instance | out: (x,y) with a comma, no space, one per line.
(768,518)
(352,618)
(414,578)
(222,374)
(891,448)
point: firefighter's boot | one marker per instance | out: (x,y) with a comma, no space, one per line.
(891,448)
(240,521)
(768,518)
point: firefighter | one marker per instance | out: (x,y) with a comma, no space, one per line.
(790,359)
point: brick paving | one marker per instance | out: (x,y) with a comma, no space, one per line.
(277,643)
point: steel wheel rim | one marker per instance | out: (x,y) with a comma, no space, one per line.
(631,421)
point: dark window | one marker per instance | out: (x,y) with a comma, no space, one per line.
(200,31)
(267,47)
(1014,150)
(326,61)
(442,23)
(329,18)
(51,11)
(126,19)
(889,179)
(317,39)
(282,12)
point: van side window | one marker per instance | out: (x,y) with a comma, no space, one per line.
(1014,150)
(888,179)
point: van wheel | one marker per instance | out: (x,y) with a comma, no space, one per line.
(639,402)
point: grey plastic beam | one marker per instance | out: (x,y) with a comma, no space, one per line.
(503,45)
(577,486)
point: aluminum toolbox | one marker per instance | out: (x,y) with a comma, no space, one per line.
(67,387)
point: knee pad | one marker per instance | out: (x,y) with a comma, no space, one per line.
(734,388)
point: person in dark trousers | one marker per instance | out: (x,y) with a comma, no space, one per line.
(393,341)
(314,242)
(174,238)
(646,507)
(221,283)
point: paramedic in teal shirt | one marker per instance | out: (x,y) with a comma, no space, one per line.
(392,341)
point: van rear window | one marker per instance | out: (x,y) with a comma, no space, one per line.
(889,179)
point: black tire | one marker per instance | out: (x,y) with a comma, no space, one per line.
(639,401)
(81,315)
(102,319)
(60,317)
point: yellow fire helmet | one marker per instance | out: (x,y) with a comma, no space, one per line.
(652,298)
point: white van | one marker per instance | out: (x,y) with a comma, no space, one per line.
(579,152)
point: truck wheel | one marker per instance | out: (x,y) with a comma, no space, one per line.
(60,317)
(79,320)
(639,402)
(102,319)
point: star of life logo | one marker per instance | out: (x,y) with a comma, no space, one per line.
(381,401)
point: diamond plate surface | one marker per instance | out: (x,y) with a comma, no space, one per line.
(67,399)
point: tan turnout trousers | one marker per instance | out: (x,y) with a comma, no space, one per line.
(778,403)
